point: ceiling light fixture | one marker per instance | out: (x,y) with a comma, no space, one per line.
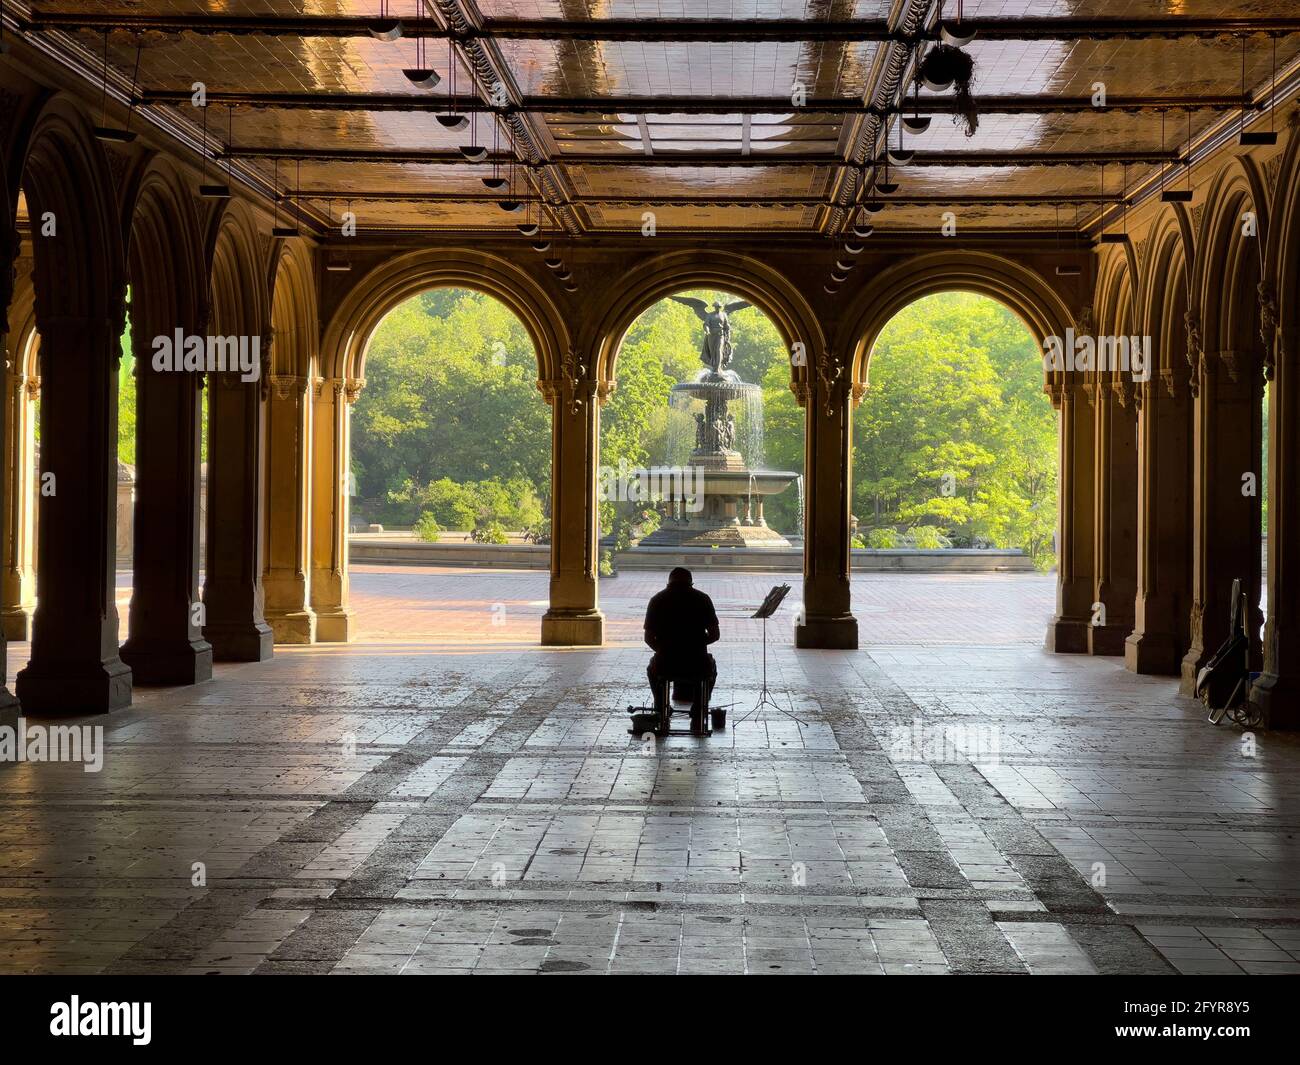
(105,132)
(421,75)
(955,32)
(384,28)
(1254,138)
(450,120)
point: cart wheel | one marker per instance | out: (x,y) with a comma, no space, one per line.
(719,718)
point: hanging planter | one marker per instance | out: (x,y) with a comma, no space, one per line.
(945,67)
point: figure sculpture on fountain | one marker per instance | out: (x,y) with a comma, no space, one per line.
(715,351)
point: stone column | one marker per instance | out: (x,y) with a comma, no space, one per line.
(573,618)
(19,582)
(1277,692)
(329,519)
(1115,524)
(827,620)
(1068,631)
(288,511)
(1225,515)
(233,597)
(166,644)
(10,245)
(75,667)
(1164,583)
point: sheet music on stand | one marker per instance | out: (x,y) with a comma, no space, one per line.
(771,603)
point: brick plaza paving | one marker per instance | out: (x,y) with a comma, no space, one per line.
(445,796)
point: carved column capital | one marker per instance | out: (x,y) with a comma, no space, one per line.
(352,389)
(833,381)
(1268,326)
(286,386)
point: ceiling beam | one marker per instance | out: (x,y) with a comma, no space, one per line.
(695,159)
(668,30)
(720,199)
(669,105)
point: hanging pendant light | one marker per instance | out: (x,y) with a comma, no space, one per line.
(954,32)
(886,187)
(854,249)
(1121,237)
(421,75)
(385,27)
(915,122)
(220,190)
(1174,195)
(1253,138)
(900,156)
(105,132)
(449,119)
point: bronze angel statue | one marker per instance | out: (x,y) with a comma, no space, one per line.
(715,351)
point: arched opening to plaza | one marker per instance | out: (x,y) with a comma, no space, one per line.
(403,338)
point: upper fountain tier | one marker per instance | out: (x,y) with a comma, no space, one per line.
(725,385)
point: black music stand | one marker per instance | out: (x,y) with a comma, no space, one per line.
(765,698)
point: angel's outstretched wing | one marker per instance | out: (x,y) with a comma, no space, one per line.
(700,308)
(739,305)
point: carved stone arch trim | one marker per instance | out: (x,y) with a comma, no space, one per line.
(766,288)
(65,172)
(1168,269)
(350,328)
(1284,249)
(294,318)
(166,260)
(240,303)
(1021,290)
(1217,293)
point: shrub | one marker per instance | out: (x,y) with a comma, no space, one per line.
(885,539)
(927,538)
(427,528)
(492,532)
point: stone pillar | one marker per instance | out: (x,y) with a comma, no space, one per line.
(329,518)
(1277,691)
(288,511)
(573,618)
(1225,517)
(1068,631)
(827,619)
(233,597)
(1164,583)
(19,581)
(1115,521)
(75,667)
(166,644)
(10,245)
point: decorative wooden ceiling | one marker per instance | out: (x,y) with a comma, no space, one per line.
(718,116)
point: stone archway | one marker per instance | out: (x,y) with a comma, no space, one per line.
(79,274)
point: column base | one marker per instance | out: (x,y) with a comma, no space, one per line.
(186,662)
(334,628)
(1191,665)
(573,628)
(10,709)
(831,633)
(296,626)
(1067,636)
(1152,653)
(1107,640)
(16,625)
(66,688)
(1278,699)
(240,643)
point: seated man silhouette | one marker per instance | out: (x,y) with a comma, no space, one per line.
(680,623)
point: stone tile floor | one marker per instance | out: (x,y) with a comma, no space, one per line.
(444,796)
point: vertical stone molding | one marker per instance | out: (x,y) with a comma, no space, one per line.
(1114,522)
(1161,630)
(232,588)
(573,617)
(1225,516)
(331,420)
(827,619)
(1076,543)
(75,667)
(288,511)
